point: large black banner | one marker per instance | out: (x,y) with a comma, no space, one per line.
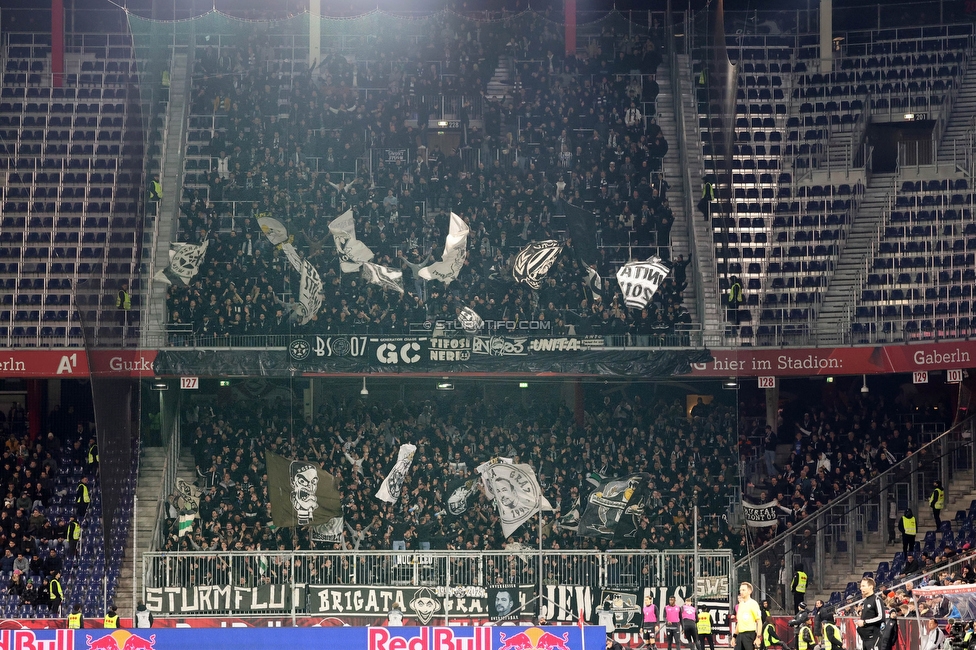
(391,354)
(422,603)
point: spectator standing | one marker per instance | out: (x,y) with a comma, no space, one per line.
(394,618)
(143,618)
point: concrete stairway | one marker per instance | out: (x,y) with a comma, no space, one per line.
(837,568)
(140,533)
(500,85)
(961,122)
(171,178)
(703,251)
(844,282)
(680,241)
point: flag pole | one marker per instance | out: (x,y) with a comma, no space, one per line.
(694,587)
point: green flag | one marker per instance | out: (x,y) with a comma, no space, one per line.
(186,523)
(301,493)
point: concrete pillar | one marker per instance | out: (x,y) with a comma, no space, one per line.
(314,32)
(772,406)
(826,36)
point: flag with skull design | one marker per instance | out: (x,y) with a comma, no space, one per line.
(301,493)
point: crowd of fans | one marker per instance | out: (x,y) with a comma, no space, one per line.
(835,448)
(34,535)
(573,128)
(358,444)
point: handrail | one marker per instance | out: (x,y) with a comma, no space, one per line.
(875,482)
(962,559)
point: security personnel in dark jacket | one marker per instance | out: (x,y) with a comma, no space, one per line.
(82,498)
(76,619)
(831,634)
(73,535)
(111,619)
(92,456)
(55,594)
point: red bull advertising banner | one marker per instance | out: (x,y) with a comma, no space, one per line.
(348,638)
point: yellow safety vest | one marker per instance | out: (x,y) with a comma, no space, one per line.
(704,623)
(54,589)
(805,640)
(801,582)
(93,450)
(708,192)
(827,636)
(909,525)
(769,635)
(124,300)
(110,621)
(74,621)
(85,496)
(938,499)
(74,531)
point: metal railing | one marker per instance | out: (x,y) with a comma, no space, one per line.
(437,570)
(854,526)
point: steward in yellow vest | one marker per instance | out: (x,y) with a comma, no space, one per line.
(705,630)
(76,619)
(112,618)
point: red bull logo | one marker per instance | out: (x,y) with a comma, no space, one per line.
(534,638)
(120,640)
(29,640)
(431,638)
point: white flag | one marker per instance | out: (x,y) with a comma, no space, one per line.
(390,488)
(273,230)
(639,280)
(384,276)
(455,252)
(352,252)
(515,490)
(184,263)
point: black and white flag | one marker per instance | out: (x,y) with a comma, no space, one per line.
(384,276)
(534,261)
(606,505)
(515,490)
(184,263)
(330,532)
(470,321)
(459,496)
(760,516)
(310,292)
(352,252)
(593,281)
(390,488)
(455,252)
(639,280)
(571,520)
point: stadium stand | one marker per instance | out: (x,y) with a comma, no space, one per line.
(565,121)
(69,211)
(358,444)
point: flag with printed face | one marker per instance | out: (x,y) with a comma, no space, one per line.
(455,252)
(352,252)
(606,504)
(383,276)
(390,488)
(534,261)
(184,263)
(515,490)
(301,493)
(639,281)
